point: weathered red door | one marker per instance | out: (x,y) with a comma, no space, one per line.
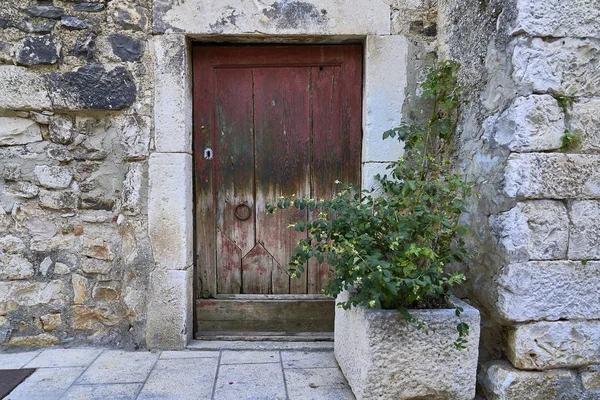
(268,121)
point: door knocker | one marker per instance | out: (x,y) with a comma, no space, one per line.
(243,212)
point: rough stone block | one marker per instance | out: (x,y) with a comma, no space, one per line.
(172,97)
(30,294)
(564,66)
(549,290)
(92,87)
(22,89)
(590,377)
(38,50)
(126,48)
(170,213)
(41,340)
(386,56)
(324,17)
(549,345)
(15,267)
(585,121)
(385,357)
(132,187)
(558,18)
(135,137)
(16,131)
(169,315)
(532,123)
(58,200)
(61,130)
(584,241)
(54,177)
(552,176)
(131,17)
(501,381)
(533,230)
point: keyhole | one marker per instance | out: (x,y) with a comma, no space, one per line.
(320,68)
(208,154)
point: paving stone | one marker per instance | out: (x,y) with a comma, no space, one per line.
(46,384)
(64,358)
(169,355)
(176,379)
(16,360)
(116,366)
(250,381)
(304,359)
(317,384)
(117,391)
(249,357)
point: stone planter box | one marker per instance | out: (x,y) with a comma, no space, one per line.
(385,357)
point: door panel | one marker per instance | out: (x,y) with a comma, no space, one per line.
(268,121)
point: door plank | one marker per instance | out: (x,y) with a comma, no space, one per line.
(265,315)
(282,127)
(257,267)
(205,226)
(234,156)
(229,262)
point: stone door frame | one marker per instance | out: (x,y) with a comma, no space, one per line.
(169,323)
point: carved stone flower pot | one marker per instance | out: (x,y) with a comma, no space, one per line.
(385,357)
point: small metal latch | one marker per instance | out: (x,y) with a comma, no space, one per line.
(208,153)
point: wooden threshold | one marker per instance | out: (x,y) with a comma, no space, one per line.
(274,316)
(267,336)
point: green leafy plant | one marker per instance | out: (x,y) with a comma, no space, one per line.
(391,248)
(570,140)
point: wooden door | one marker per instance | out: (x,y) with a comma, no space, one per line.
(269,121)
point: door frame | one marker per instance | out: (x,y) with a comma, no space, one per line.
(170,305)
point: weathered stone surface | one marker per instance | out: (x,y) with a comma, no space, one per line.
(126,48)
(15,267)
(45,11)
(92,87)
(97,248)
(11,172)
(172,102)
(74,23)
(585,121)
(169,310)
(50,321)
(30,294)
(558,18)
(54,177)
(552,176)
(95,266)
(96,203)
(501,381)
(15,131)
(58,200)
(41,340)
(549,345)
(11,244)
(533,230)
(85,48)
(563,66)
(329,17)
(590,377)
(107,290)
(45,266)
(96,318)
(169,206)
(61,269)
(59,153)
(131,17)
(80,289)
(584,241)
(132,186)
(22,89)
(58,242)
(385,357)
(25,190)
(135,137)
(386,56)
(532,123)
(549,290)
(61,130)
(38,50)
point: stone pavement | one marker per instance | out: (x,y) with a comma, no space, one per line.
(259,372)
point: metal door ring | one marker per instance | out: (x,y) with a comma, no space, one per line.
(243,212)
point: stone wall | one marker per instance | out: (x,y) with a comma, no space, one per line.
(535,274)
(75,135)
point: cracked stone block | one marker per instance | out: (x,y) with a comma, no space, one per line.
(549,290)
(533,230)
(557,344)
(532,123)
(16,131)
(562,66)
